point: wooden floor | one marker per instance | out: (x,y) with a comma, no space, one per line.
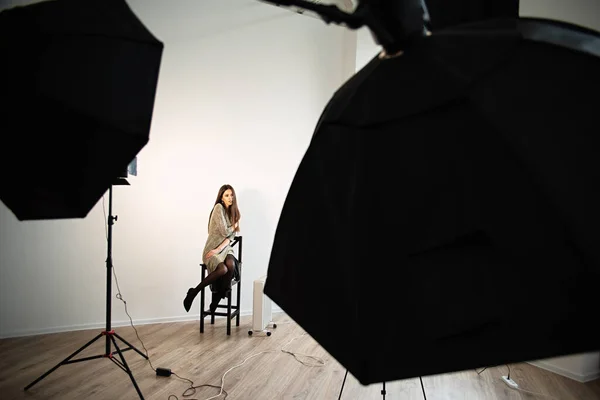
(204,358)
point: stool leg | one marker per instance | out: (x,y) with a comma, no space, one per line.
(237,300)
(229,312)
(202,315)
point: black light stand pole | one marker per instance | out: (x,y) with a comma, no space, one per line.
(109,332)
(109,268)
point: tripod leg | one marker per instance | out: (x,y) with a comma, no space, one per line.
(63,361)
(127,369)
(131,346)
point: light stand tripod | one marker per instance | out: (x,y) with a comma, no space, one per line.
(109,333)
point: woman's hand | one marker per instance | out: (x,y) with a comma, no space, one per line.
(211,253)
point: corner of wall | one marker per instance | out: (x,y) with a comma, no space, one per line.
(579,367)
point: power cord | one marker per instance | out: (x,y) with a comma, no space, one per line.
(479,372)
(159,371)
(526,391)
(513,385)
(319,363)
(192,389)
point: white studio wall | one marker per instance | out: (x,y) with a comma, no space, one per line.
(242,85)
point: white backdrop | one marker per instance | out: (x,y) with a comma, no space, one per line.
(242,85)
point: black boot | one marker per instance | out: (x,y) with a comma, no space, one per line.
(189,299)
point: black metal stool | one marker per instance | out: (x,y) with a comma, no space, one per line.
(232,310)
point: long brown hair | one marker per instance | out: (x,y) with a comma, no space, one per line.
(233,211)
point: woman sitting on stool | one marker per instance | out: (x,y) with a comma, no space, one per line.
(218,253)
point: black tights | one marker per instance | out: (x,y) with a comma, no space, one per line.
(221,276)
(224,270)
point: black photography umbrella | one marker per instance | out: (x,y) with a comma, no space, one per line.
(445,215)
(79,85)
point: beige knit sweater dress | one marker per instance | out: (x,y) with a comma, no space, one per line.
(219,228)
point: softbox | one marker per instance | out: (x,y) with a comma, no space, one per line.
(445,215)
(80,80)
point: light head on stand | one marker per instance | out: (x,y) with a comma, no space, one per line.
(131,169)
(393,23)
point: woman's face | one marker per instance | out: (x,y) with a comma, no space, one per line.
(227,198)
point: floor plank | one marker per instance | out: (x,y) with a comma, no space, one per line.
(270,374)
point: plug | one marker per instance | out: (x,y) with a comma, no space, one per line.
(512,384)
(163,371)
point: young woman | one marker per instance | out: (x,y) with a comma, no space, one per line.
(218,254)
